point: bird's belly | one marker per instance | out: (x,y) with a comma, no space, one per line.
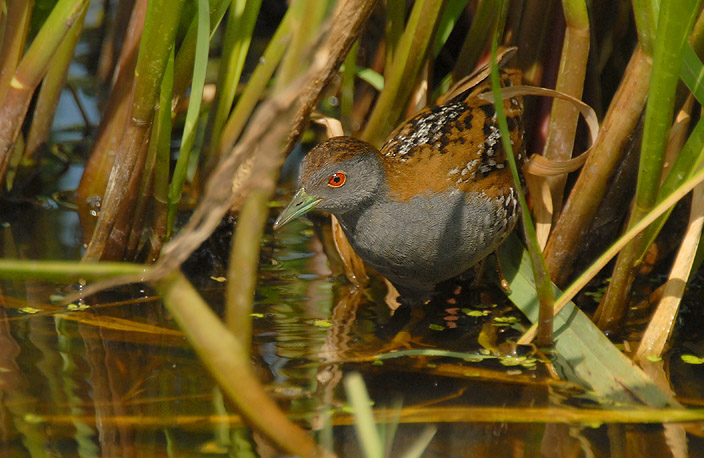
(430,238)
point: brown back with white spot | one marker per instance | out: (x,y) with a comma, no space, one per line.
(456,144)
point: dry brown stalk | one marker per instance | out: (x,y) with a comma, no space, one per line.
(579,210)
(97,170)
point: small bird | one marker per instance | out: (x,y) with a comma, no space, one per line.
(436,199)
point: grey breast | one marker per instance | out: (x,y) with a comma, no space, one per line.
(431,238)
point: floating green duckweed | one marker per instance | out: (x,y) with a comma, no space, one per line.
(469,312)
(692,359)
(77,307)
(30,310)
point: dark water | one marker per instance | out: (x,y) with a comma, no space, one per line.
(119,378)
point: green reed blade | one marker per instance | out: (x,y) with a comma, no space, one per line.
(192,114)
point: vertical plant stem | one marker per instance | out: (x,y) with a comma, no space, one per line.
(544,290)
(473,45)
(663,321)
(155,182)
(674,24)
(570,80)
(187,52)
(48,98)
(366,428)
(590,187)
(395,15)
(534,38)
(30,71)
(646,16)
(244,254)
(255,87)
(689,158)
(112,127)
(13,42)
(192,114)
(408,61)
(308,15)
(244,264)
(114,39)
(157,42)
(347,22)
(347,88)
(238,35)
(161,164)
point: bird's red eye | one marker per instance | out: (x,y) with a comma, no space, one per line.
(337,179)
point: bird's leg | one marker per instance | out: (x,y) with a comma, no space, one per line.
(505,285)
(478,274)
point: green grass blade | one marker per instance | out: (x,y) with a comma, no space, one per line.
(364,417)
(692,153)
(256,85)
(450,14)
(685,166)
(540,270)
(692,73)
(675,22)
(421,443)
(583,354)
(409,58)
(193,112)
(238,36)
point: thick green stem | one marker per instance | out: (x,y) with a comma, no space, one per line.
(244,264)
(646,16)
(66,271)
(154,188)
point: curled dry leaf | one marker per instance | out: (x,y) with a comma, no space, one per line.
(333,127)
(538,167)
